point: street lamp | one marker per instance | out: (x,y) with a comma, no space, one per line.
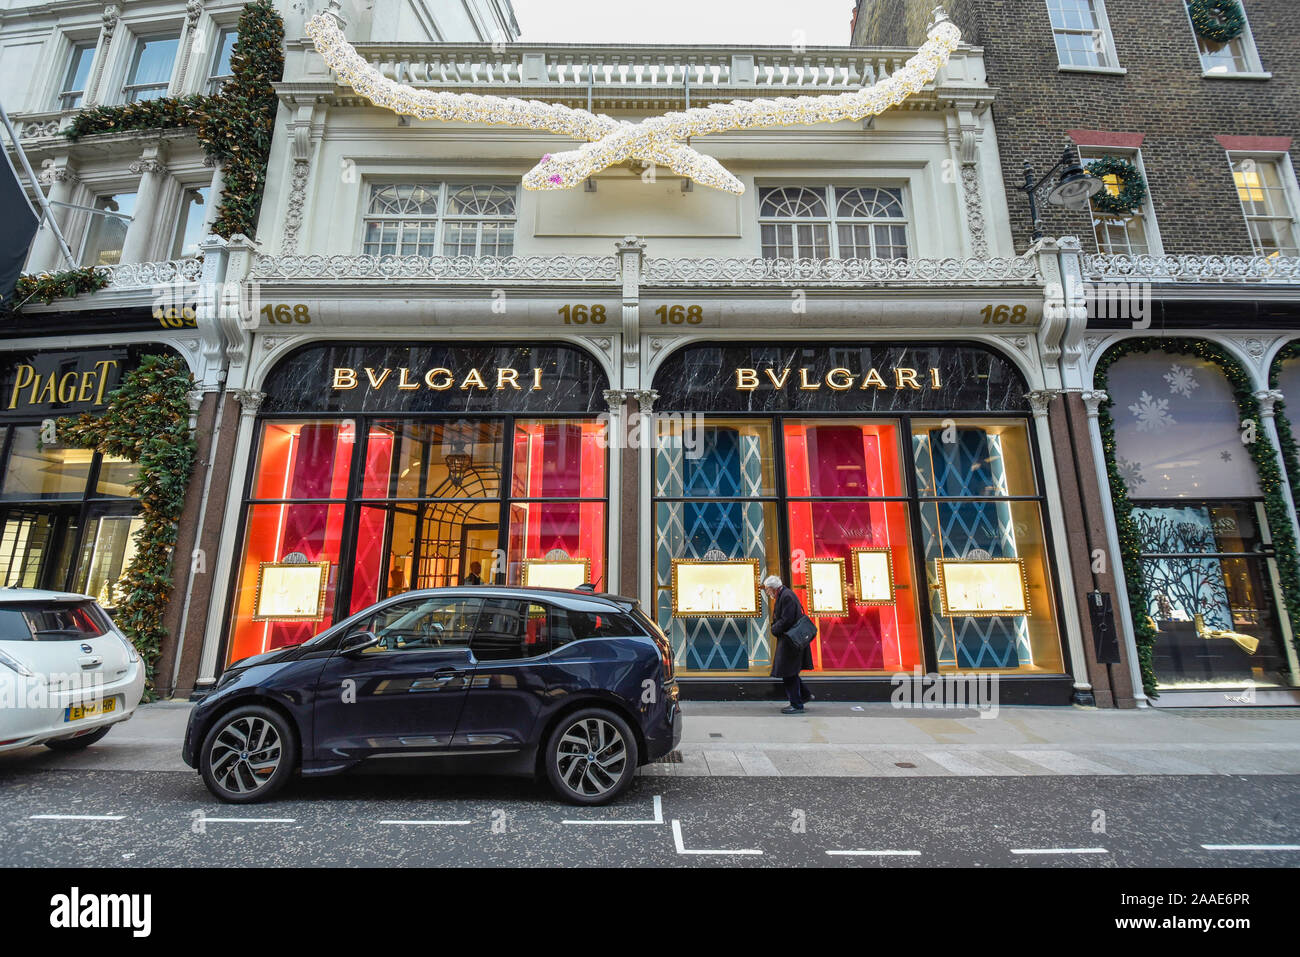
(1072,191)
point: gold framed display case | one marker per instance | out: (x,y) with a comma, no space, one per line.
(983,587)
(716,589)
(873,576)
(290,591)
(556,573)
(827,587)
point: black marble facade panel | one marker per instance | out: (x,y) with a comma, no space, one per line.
(79,378)
(703,377)
(570,380)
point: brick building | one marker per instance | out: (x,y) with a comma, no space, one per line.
(1179,394)
(1144,87)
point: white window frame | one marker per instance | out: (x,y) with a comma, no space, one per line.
(832,220)
(1290,191)
(444,189)
(139,39)
(1109,54)
(69,48)
(1254,67)
(1155,247)
(213,82)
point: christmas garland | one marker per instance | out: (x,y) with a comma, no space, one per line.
(1286,438)
(234,127)
(146,420)
(1219,21)
(1133,188)
(47,286)
(1262,452)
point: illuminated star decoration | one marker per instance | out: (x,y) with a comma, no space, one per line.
(658,139)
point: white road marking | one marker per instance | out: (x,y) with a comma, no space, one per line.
(448,823)
(248,820)
(874,853)
(75,817)
(1059,850)
(657,819)
(1251,847)
(682,849)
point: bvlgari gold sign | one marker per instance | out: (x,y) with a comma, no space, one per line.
(838,379)
(436,380)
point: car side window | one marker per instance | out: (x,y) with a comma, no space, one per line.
(510,628)
(573,624)
(423,624)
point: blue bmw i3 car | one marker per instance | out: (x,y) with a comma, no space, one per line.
(571,686)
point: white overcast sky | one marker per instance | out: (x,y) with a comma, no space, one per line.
(822,22)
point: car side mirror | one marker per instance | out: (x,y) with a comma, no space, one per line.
(357,642)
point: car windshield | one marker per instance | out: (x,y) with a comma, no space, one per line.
(59,621)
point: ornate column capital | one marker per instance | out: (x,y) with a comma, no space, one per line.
(1266,398)
(112,13)
(1040,400)
(250,401)
(52,174)
(1092,400)
(614,398)
(193,10)
(147,164)
(645,399)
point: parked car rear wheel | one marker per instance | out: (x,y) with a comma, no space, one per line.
(80,741)
(591,756)
(248,755)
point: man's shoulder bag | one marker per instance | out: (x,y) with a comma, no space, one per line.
(802,632)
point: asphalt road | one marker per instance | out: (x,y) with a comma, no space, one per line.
(87,818)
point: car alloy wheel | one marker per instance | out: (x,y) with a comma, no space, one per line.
(593,756)
(248,755)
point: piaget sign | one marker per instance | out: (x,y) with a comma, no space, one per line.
(437,379)
(39,383)
(838,379)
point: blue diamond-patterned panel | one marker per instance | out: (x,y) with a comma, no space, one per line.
(969,464)
(725,464)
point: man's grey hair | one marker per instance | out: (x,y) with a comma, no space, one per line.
(772,581)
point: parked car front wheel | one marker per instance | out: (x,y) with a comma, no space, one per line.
(591,756)
(248,755)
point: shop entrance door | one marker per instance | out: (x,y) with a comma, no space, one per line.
(36,545)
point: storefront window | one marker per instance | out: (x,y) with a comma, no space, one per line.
(33,472)
(409,491)
(1198,511)
(833,505)
(68,516)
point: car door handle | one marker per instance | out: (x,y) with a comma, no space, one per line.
(435,680)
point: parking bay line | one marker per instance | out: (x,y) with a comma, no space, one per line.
(430,823)
(682,849)
(1251,847)
(75,817)
(658,818)
(1059,850)
(873,853)
(248,820)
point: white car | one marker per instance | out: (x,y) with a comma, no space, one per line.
(67,674)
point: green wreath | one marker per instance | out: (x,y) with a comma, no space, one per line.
(1133,188)
(1217,20)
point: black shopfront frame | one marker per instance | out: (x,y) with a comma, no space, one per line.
(353,503)
(1054,689)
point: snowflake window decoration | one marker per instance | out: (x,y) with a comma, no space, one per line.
(1152,414)
(1182,381)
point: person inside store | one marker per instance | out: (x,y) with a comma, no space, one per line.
(475,574)
(789,659)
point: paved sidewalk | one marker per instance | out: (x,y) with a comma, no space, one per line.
(867,740)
